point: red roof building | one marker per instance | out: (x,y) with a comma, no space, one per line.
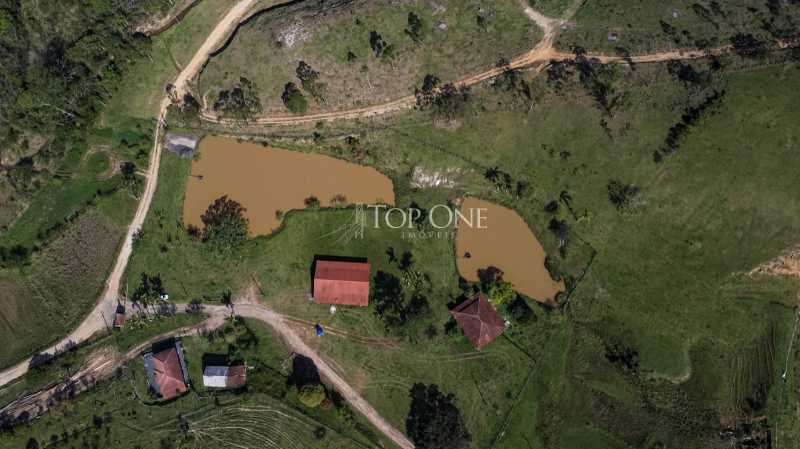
(478,320)
(166,371)
(337,282)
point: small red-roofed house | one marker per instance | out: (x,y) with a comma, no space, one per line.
(341,283)
(166,371)
(478,320)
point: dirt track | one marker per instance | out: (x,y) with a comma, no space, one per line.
(159,26)
(353,398)
(99,317)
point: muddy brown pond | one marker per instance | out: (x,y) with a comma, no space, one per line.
(266,180)
(505,242)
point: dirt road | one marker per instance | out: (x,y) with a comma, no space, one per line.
(99,318)
(99,366)
(353,398)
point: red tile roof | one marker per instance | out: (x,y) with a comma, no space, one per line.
(168,373)
(237,376)
(479,321)
(337,282)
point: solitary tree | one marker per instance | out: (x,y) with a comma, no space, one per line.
(625,197)
(226,225)
(434,421)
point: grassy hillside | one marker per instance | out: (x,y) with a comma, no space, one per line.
(652,25)
(71,196)
(454,39)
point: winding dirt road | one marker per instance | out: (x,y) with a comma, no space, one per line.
(99,318)
(353,398)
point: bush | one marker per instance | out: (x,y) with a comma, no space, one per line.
(293,99)
(312,395)
(311,202)
(625,197)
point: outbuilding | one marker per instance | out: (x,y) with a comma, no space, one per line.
(225,376)
(341,282)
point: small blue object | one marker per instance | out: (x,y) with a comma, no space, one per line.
(320,331)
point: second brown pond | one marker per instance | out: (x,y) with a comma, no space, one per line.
(268,180)
(505,242)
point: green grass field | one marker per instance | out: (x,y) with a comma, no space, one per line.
(665,283)
(664,340)
(323,42)
(686,24)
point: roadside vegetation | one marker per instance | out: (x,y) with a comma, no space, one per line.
(314,56)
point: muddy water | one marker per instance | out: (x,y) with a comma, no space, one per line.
(266,180)
(505,242)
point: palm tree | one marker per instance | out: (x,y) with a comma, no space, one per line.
(566,198)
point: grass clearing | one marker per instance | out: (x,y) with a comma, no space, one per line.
(267,49)
(651,25)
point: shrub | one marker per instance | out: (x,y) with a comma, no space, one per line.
(311,202)
(293,99)
(312,395)
(625,197)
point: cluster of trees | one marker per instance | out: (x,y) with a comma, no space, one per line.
(504,182)
(309,79)
(434,421)
(380,48)
(149,291)
(14,256)
(446,101)
(623,356)
(689,118)
(293,97)
(596,78)
(687,74)
(399,301)
(241,101)
(492,283)
(305,377)
(225,225)
(511,81)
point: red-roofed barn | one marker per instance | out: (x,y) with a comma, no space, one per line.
(479,321)
(341,282)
